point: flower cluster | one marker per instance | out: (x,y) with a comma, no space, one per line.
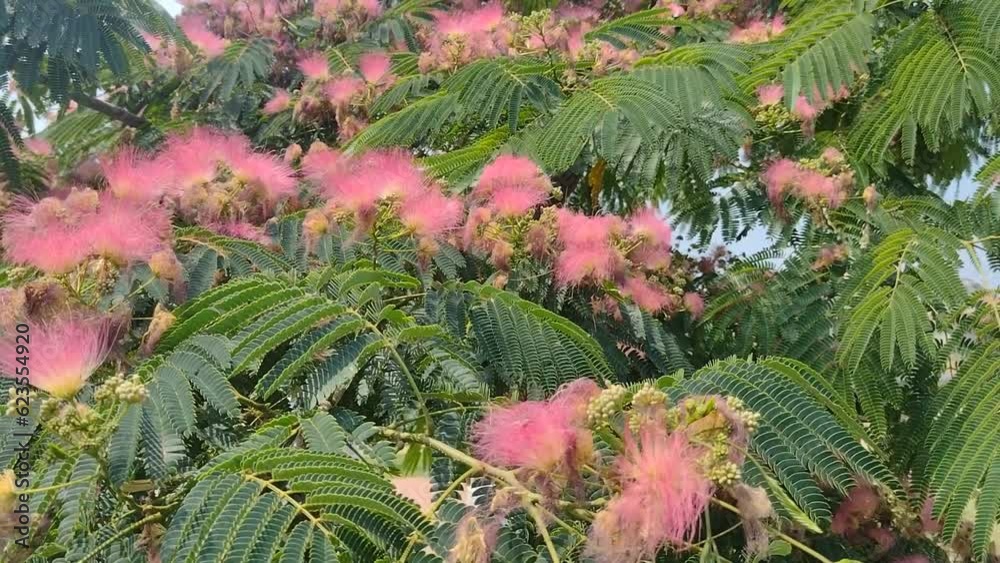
(822,182)
(772,112)
(758,30)
(457,37)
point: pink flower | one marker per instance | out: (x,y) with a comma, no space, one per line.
(694,303)
(342,90)
(265,174)
(577,229)
(136,177)
(544,436)
(429,213)
(512,185)
(587,254)
(771,94)
(654,234)
(314,66)
(416,488)
(662,499)
(196,30)
(64,353)
(126,232)
(240,229)
(194,157)
(912,559)
(650,297)
(676,10)
(832,155)
(372,177)
(47,235)
(781,175)
(805,111)
(38,146)
(375,67)
(860,505)
(928,524)
(278,103)
(323,164)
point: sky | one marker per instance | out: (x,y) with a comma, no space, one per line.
(171,5)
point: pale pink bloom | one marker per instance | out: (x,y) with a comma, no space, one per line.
(544,436)
(46,235)
(676,10)
(694,303)
(884,539)
(267,175)
(194,157)
(512,185)
(663,497)
(38,146)
(196,30)
(341,91)
(577,265)
(577,229)
(653,252)
(429,213)
(370,8)
(818,188)
(478,217)
(928,524)
(375,67)
(781,175)
(805,111)
(135,176)
(770,94)
(777,25)
(327,8)
(314,66)
(323,164)
(756,31)
(350,125)
(416,488)
(372,177)
(912,559)
(650,297)
(125,232)
(240,229)
(64,353)
(279,102)
(832,155)
(292,153)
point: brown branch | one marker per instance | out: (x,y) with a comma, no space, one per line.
(112,111)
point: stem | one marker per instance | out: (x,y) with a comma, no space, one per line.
(52,487)
(792,541)
(451,488)
(112,111)
(296,505)
(120,534)
(540,524)
(403,367)
(507,477)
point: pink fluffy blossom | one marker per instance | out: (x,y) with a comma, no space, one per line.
(125,232)
(323,164)
(38,146)
(64,353)
(341,91)
(771,94)
(196,30)
(694,303)
(860,505)
(663,496)
(279,102)
(587,254)
(653,234)
(46,235)
(135,176)
(804,110)
(429,213)
(372,177)
(577,229)
(239,229)
(544,436)
(375,68)
(512,185)
(650,297)
(314,66)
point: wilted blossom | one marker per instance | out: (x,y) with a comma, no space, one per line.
(542,436)
(64,353)
(196,29)
(512,185)
(860,506)
(587,251)
(664,494)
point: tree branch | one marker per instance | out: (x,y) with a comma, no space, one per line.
(112,111)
